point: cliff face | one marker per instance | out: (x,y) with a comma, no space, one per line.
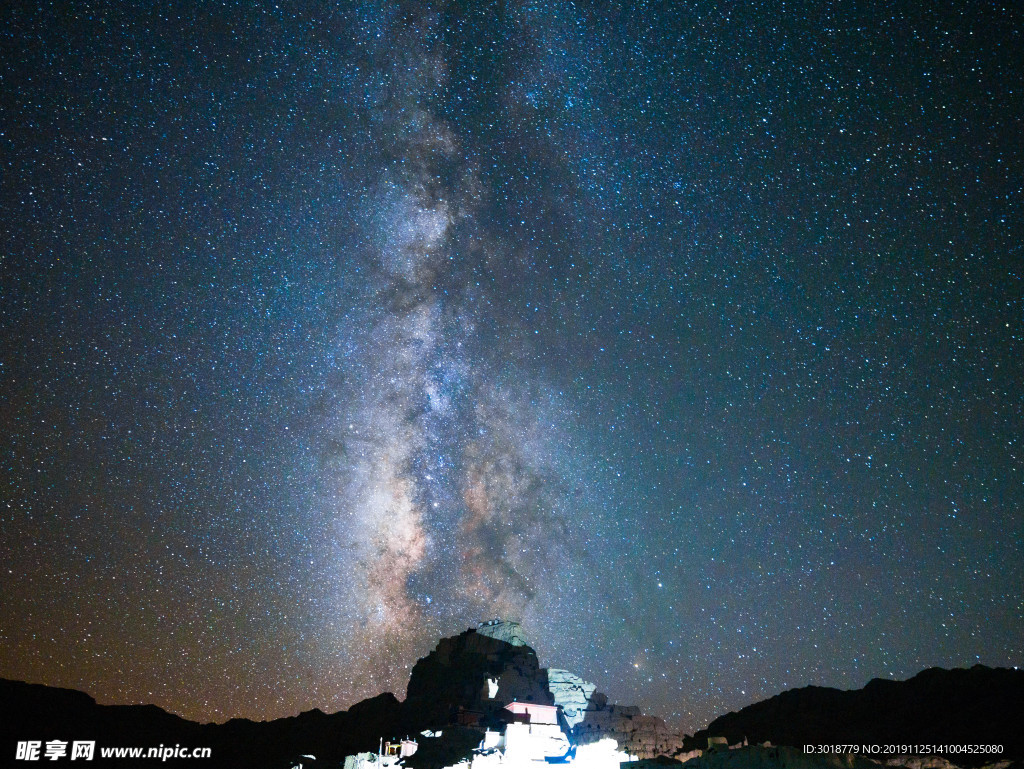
(503,630)
(457,674)
(463,671)
(572,693)
(637,734)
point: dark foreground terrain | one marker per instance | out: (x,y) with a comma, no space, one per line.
(978,706)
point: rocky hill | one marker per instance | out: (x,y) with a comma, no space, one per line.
(472,676)
(973,706)
(469,678)
(475,672)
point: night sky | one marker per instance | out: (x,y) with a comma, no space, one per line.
(689,335)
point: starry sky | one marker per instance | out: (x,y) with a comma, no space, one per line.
(688,334)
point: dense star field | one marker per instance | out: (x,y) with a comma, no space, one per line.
(689,335)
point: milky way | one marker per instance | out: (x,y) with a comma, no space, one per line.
(688,336)
(453,502)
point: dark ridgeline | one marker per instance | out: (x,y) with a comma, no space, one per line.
(449,686)
(980,705)
(34,712)
(446,686)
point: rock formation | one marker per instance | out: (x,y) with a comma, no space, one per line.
(455,681)
(637,734)
(571,693)
(458,675)
(503,630)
